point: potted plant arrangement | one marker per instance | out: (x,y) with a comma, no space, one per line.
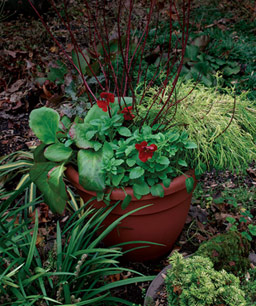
(127,146)
(114,160)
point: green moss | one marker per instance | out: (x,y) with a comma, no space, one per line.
(227,251)
(194,281)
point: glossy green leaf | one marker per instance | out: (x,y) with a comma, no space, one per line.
(167,182)
(89,168)
(252,229)
(57,74)
(126,201)
(79,60)
(189,184)
(38,154)
(131,162)
(124,131)
(97,145)
(78,133)
(136,173)
(151,181)
(182,162)
(44,123)
(55,179)
(192,52)
(231,220)
(50,184)
(57,152)
(117,179)
(124,101)
(90,134)
(190,145)
(163,160)
(245,235)
(173,137)
(229,70)
(95,113)
(108,152)
(157,191)
(141,189)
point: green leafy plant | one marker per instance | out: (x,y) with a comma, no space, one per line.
(241,223)
(75,270)
(109,151)
(203,67)
(193,281)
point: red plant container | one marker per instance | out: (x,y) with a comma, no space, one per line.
(161,223)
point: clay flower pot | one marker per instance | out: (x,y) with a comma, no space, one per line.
(160,223)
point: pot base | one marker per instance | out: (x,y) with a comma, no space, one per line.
(159,223)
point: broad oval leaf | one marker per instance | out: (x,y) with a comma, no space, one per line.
(95,113)
(252,229)
(108,152)
(131,162)
(173,137)
(167,182)
(124,101)
(124,131)
(44,123)
(141,189)
(126,201)
(182,162)
(163,160)
(189,184)
(79,60)
(78,133)
(136,173)
(117,179)
(57,152)
(49,180)
(157,190)
(190,145)
(89,168)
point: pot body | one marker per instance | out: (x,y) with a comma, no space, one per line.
(160,223)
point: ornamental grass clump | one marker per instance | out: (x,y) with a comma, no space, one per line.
(224,132)
(193,281)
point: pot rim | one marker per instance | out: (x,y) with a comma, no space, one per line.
(177,184)
(157,282)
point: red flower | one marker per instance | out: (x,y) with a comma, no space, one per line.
(103,105)
(127,113)
(145,151)
(107,98)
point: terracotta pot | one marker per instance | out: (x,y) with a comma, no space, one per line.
(161,223)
